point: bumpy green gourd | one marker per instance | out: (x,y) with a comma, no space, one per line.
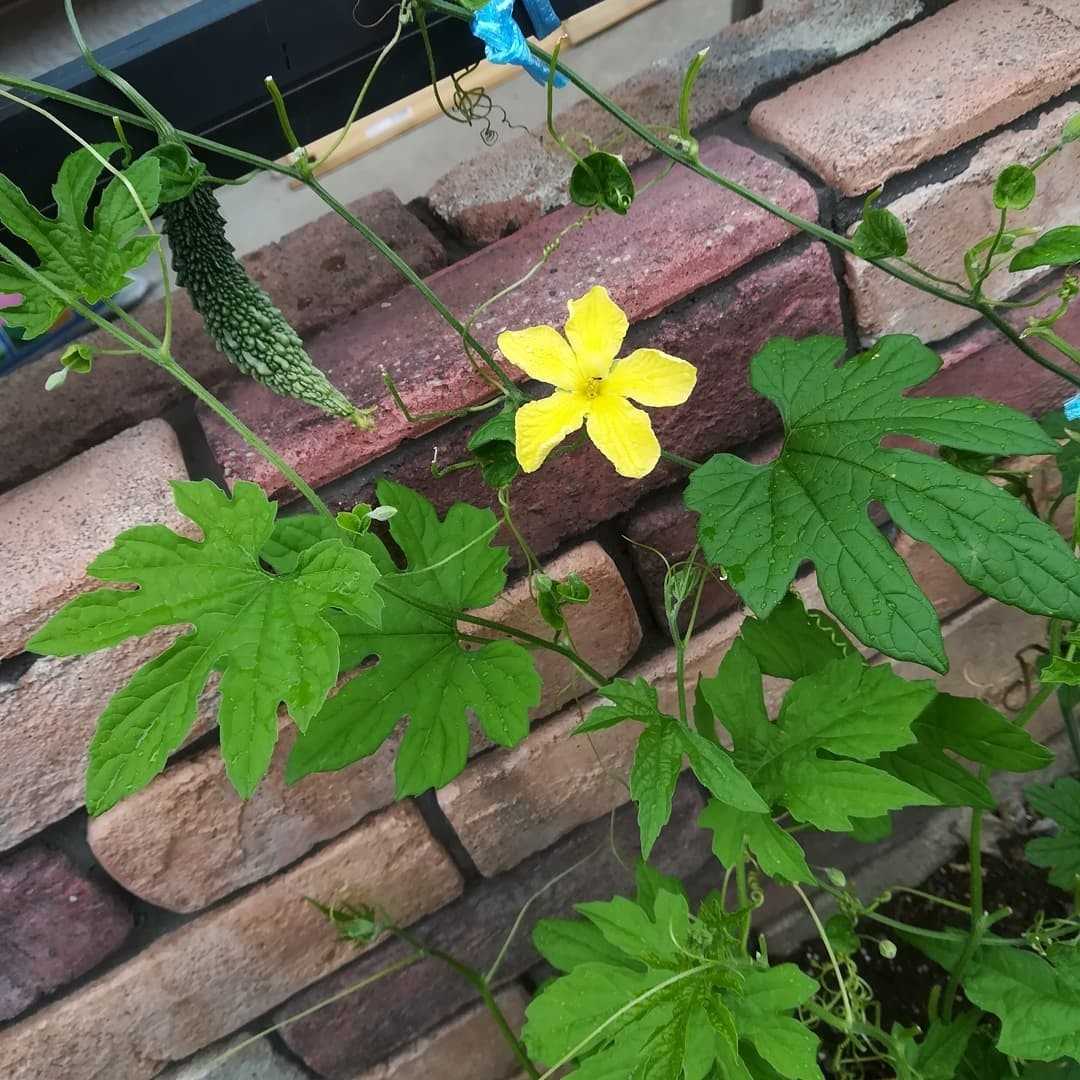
(238,315)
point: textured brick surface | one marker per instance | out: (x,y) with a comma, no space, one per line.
(665,525)
(511,803)
(469,1046)
(315,275)
(961,73)
(681,234)
(202,981)
(52,527)
(188,839)
(259,1061)
(988,365)
(606,630)
(55,925)
(364,1029)
(719,330)
(513,183)
(47,718)
(946,218)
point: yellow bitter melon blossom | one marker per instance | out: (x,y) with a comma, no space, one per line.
(593,387)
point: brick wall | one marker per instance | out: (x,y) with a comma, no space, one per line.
(157,937)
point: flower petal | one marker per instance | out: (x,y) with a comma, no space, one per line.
(542,353)
(541,425)
(596,328)
(652,377)
(623,434)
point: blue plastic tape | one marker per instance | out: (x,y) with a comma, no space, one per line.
(504,43)
(1072,408)
(542,16)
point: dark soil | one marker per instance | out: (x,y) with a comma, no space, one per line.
(902,985)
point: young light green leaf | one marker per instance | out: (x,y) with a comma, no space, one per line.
(423,672)
(818,758)
(762,521)
(678,1000)
(793,642)
(1071,131)
(90,262)
(268,636)
(1061,853)
(760,1014)
(940,1053)
(1056,247)
(1015,188)
(775,851)
(659,755)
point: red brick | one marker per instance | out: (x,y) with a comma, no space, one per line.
(52,527)
(719,330)
(959,74)
(47,719)
(233,963)
(681,235)
(298,271)
(357,1032)
(509,804)
(57,925)
(513,183)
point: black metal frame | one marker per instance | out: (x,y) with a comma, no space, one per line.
(317,50)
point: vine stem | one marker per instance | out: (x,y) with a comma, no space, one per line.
(479,983)
(509,387)
(586,669)
(812,228)
(849,1015)
(165,361)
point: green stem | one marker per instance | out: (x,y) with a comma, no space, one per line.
(509,387)
(678,459)
(283,116)
(167,363)
(1034,703)
(812,228)
(523,636)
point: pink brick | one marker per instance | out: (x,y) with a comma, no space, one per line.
(57,925)
(681,235)
(719,330)
(959,74)
(52,527)
(510,804)
(214,974)
(47,719)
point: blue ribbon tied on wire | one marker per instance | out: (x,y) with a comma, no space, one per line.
(504,42)
(1072,408)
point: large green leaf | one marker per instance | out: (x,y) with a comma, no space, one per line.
(90,262)
(659,756)
(267,634)
(815,759)
(652,992)
(1037,1000)
(423,671)
(762,521)
(793,642)
(1061,853)
(1056,247)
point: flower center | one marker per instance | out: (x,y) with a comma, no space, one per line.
(592,388)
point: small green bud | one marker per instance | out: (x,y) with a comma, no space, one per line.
(837,877)
(887,949)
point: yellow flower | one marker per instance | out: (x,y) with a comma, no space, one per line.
(592,387)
